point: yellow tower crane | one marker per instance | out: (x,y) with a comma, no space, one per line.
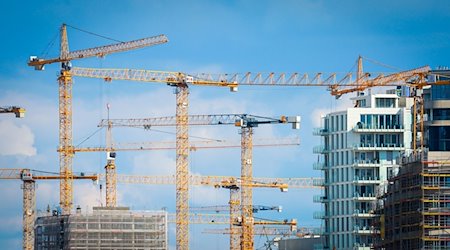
(181,81)
(18,111)
(232,183)
(65,99)
(272,230)
(246,123)
(28,178)
(111,169)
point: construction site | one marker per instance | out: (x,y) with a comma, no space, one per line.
(164,177)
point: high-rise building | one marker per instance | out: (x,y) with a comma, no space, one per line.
(105,228)
(437,109)
(415,209)
(360,147)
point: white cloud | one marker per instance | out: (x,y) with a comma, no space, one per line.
(154,163)
(337,105)
(86,195)
(16,139)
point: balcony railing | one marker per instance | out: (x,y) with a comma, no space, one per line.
(319,166)
(365,230)
(371,128)
(320,199)
(320,131)
(321,149)
(366,179)
(364,196)
(375,146)
(363,213)
(366,163)
(319,182)
(319,215)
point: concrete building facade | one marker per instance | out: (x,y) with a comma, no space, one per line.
(415,209)
(359,148)
(113,228)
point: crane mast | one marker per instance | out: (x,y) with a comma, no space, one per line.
(246,190)
(110,170)
(65,139)
(182,167)
(28,178)
(65,100)
(181,80)
(181,121)
(28,210)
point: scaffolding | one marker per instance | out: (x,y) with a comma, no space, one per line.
(416,206)
(105,228)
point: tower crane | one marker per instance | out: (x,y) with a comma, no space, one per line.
(181,81)
(266,230)
(18,111)
(28,178)
(246,122)
(231,183)
(194,145)
(223,219)
(224,208)
(110,167)
(65,98)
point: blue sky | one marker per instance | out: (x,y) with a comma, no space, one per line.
(204,36)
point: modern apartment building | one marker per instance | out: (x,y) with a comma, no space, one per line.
(360,146)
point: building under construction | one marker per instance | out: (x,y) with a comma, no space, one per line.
(415,210)
(105,228)
(416,206)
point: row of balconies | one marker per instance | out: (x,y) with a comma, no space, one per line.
(356,213)
(361,127)
(371,128)
(361,180)
(364,196)
(365,230)
(320,198)
(321,149)
(359,163)
(322,166)
(363,213)
(320,131)
(376,146)
(356,197)
(366,180)
(319,166)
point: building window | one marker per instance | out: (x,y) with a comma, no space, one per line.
(333,128)
(362,103)
(441,114)
(440,92)
(385,102)
(379,122)
(337,142)
(439,139)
